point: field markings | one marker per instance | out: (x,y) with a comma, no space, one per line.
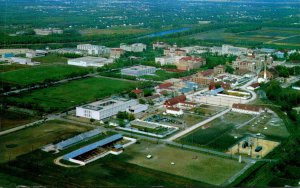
(283,38)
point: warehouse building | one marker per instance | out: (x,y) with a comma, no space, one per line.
(138,70)
(90,61)
(103,109)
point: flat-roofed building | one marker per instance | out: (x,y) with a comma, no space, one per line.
(136,47)
(138,70)
(204,77)
(90,61)
(187,63)
(106,108)
(94,49)
(116,53)
(160,45)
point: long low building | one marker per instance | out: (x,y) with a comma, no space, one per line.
(103,109)
(138,70)
(90,61)
(247,109)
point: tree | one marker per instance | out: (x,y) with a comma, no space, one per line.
(229,69)
(132,95)
(142,101)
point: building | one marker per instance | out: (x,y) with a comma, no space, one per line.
(167,60)
(23,61)
(7,55)
(220,69)
(89,61)
(174,101)
(187,63)
(279,54)
(94,49)
(137,108)
(204,77)
(116,53)
(136,47)
(48,31)
(139,93)
(159,45)
(37,53)
(103,109)
(247,109)
(174,111)
(174,52)
(96,150)
(229,50)
(138,70)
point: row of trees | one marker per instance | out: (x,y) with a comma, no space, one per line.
(286,72)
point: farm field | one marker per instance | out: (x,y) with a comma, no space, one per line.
(218,133)
(11,119)
(267,35)
(120,30)
(71,94)
(11,67)
(39,74)
(197,166)
(32,138)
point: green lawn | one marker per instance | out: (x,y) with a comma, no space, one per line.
(12,67)
(39,74)
(189,164)
(74,93)
(32,138)
(51,58)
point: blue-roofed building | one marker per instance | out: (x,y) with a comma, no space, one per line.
(82,156)
(185,90)
(216,91)
(279,54)
(192,85)
(267,50)
(7,55)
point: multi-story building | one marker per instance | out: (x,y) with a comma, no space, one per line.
(138,70)
(174,52)
(103,109)
(229,50)
(136,47)
(220,69)
(187,63)
(116,53)
(247,109)
(94,49)
(48,31)
(167,60)
(204,77)
(159,45)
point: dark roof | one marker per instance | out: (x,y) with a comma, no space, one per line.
(165,85)
(246,107)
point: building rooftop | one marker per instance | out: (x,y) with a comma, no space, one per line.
(104,104)
(246,107)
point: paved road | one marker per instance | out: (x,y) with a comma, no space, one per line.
(253,94)
(197,125)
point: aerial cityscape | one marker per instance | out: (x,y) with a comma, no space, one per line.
(149,93)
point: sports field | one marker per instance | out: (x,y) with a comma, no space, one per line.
(39,74)
(11,119)
(32,138)
(71,94)
(189,164)
(51,58)
(217,134)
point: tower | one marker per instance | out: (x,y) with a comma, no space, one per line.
(265,68)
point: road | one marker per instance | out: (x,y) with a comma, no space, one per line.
(253,94)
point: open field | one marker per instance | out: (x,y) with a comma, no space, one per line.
(217,133)
(12,181)
(11,119)
(189,164)
(39,74)
(71,94)
(267,35)
(111,31)
(11,67)
(51,58)
(32,138)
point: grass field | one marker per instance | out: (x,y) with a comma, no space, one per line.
(29,139)
(11,119)
(12,181)
(217,134)
(39,74)
(197,166)
(160,75)
(51,58)
(71,94)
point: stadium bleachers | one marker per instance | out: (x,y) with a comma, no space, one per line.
(81,137)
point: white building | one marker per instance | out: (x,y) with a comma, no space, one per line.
(167,60)
(23,61)
(138,70)
(90,61)
(48,31)
(137,108)
(37,53)
(93,49)
(103,109)
(174,111)
(229,50)
(136,47)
